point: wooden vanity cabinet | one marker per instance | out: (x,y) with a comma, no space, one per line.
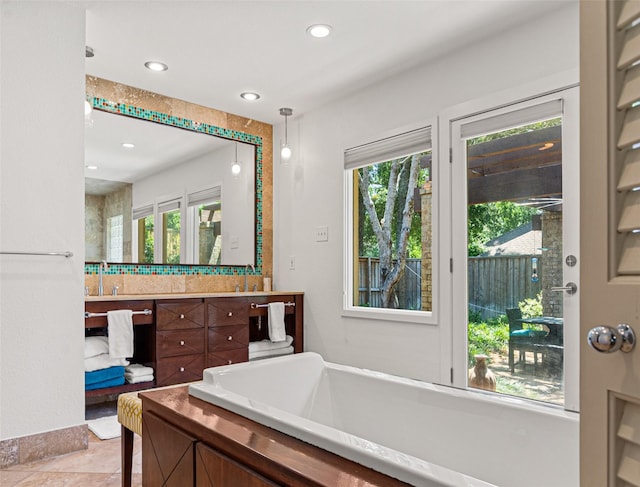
(180,340)
(143,337)
(227,331)
(183,336)
(293,313)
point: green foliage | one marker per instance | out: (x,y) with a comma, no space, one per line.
(148,239)
(487,221)
(487,337)
(172,237)
(531,307)
(378,190)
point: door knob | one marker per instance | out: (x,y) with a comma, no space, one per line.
(607,339)
(570,287)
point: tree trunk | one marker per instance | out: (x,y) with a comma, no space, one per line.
(402,178)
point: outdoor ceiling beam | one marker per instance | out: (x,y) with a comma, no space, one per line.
(535,138)
(516,185)
(516,158)
(522,163)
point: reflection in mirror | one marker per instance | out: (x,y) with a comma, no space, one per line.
(171,199)
(107,216)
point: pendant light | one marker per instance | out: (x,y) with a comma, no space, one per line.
(285,150)
(235,166)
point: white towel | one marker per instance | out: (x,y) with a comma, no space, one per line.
(276,322)
(270,353)
(137,370)
(102,361)
(265,345)
(95,345)
(138,379)
(120,330)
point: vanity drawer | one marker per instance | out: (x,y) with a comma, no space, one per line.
(176,370)
(179,342)
(228,338)
(227,311)
(179,314)
(228,357)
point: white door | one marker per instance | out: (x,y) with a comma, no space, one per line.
(610,244)
(524,155)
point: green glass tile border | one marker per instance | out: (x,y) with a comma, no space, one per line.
(184,123)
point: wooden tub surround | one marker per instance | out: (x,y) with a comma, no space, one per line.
(190,442)
(186,333)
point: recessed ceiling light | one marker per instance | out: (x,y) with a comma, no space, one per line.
(249,96)
(319,30)
(128,145)
(156,66)
(92,168)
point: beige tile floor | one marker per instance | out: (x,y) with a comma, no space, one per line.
(98,466)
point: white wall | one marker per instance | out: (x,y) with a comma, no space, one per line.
(203,172)
(41,193)
(308,191)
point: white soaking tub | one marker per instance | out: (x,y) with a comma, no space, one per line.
(420,433)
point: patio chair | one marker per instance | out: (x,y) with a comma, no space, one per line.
(523,340)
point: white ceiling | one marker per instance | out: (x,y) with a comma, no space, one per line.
(157,147)
(217,49)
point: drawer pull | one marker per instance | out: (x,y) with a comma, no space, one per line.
(182,343)
(230,313)
(182,317)
(229,338)
(229,362)
(181,369)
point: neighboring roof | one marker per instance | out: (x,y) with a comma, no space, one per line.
(519,241)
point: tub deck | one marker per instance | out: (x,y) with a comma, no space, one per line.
(260,452)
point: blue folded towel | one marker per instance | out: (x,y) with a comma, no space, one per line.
(116,381)
(104,374)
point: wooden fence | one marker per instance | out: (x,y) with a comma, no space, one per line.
(498,283)
(370,280)
(495,283)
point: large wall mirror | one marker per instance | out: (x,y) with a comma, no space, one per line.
(164,190)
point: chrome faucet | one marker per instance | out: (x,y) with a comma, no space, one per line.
(246,271)
(101,266)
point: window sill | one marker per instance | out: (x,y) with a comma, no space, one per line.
(399,315)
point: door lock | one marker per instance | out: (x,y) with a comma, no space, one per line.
(606,339)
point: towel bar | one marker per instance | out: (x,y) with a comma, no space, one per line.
(93,315)
(66,254)
(254,305)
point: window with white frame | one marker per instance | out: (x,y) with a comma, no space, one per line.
(143,233)
(389,264)
(205,226)
(169,213)
(114,238)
